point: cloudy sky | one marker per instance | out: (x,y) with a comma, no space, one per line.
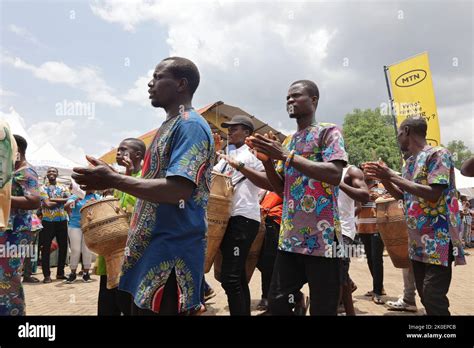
(101,54)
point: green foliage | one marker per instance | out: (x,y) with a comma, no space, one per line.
(460,152)
(369,135)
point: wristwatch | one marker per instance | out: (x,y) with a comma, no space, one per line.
(240,166)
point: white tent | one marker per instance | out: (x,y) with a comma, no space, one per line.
(464,184)
(17,126)
(47,156)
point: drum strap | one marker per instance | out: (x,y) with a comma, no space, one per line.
(238,182)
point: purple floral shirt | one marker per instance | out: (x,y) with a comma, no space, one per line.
(310,218)
(432,226)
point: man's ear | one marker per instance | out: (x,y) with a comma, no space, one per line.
(406,130)
(183,84)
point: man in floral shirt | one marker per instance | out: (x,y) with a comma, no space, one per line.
(25,198)
(308,173)
(428,189)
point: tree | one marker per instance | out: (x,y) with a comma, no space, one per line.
(369,135)
(460,152)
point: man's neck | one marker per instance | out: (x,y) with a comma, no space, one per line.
(416,146)
(20,163)
(239,145)
(52,183)
(137,167)
(305,121)
(176,108)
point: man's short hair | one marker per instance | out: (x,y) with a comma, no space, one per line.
(310,87)
(184,68)
(21,143)
(136,144)
(56,169)
(416,124)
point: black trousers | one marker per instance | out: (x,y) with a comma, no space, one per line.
(268,254)
(169,300)
(28,263)
(432,283)
(292,271)
(373,246)
(235,247)
(112,301)
(50,230)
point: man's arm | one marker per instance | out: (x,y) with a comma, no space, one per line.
(431,193)
(357,189)
(276,181)
(49,204)
(329,172)
(467,168)
(171,190)
(257,178)
(59,200)
(394,191)
(26,202)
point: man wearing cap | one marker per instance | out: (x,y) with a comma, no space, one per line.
(245,215)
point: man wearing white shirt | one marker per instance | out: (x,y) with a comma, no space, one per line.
(352,188)
(245,216)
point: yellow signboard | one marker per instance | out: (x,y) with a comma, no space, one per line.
(413,94)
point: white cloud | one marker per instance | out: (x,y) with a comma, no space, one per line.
(139,92)
(25,34)
(86,79)
(248,53)
(6,93)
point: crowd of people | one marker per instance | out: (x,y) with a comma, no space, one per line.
(311,201)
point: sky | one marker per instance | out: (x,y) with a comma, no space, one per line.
(76,72)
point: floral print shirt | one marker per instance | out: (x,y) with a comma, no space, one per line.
(24,183)
(310,217)
(433,226)
(166,237)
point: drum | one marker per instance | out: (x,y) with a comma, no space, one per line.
(105,228)
(252,258)
(392,226)
(218,214)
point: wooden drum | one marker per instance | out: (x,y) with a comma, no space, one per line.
(105,227)
(393,228)
(218,214)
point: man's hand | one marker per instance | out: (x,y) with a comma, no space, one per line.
(99,177)
(378,170)
(268,145)
(128,164)
(232,162)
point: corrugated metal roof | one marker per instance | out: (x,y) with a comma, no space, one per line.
(215,114)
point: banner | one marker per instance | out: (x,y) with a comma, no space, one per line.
(413,94)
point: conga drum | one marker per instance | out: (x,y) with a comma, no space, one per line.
(392,226)
(105,227)
(252,258)
(218,214)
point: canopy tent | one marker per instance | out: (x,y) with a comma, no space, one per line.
(215,114)
(17,126)
(464,184)
(47,156)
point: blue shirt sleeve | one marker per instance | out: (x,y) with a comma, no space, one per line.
(191,149)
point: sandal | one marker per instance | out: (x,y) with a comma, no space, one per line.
(371,293)
(377,299)
(401,305)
